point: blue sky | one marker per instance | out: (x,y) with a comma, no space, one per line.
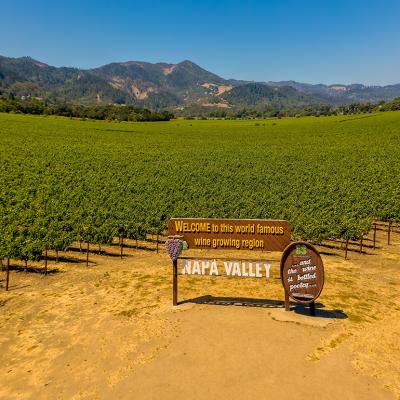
(308,41)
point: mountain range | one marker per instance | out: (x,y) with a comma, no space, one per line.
(172,86)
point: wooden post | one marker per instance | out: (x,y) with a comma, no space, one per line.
(312,309)
(361,243)
(80,246)
(374,235)
(136,244)
(26,265)
(121,241)
(8,274)
(347,246)
(87,254)
(175,282)
(45,260)
(56,255)
(287,302)
(157,242)
(390,225)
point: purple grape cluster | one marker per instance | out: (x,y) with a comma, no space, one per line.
(174,247)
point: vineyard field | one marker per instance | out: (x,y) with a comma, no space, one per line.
(63,180)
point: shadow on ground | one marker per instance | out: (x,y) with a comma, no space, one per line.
(94,252)
(320,311)
(298,308)
(235,301)
(35,270)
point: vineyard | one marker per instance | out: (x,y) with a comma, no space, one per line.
(64,180)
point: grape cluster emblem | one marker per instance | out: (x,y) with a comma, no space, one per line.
(174,246)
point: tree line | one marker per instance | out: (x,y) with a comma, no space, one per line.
(116,112)
(99,112)
(197,111)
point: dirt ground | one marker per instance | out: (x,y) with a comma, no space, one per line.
(109,330)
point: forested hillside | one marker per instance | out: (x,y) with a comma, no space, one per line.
(183,88)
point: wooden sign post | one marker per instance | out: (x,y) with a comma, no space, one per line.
(302,274)
(175,282)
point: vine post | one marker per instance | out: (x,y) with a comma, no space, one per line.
(45,260)
(374,234)
(8,274)
(87,254)
(389,228)
(347,247)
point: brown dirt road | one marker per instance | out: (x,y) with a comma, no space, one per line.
(237,353)
(109,331)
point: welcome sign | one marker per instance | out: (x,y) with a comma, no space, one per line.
(224,234)
(232,234)
(301,267)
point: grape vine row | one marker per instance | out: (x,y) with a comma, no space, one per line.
(65,180)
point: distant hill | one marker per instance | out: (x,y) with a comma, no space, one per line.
(172,86)
(262,95)
(344,94)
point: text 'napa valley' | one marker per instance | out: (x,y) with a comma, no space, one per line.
(250,269)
